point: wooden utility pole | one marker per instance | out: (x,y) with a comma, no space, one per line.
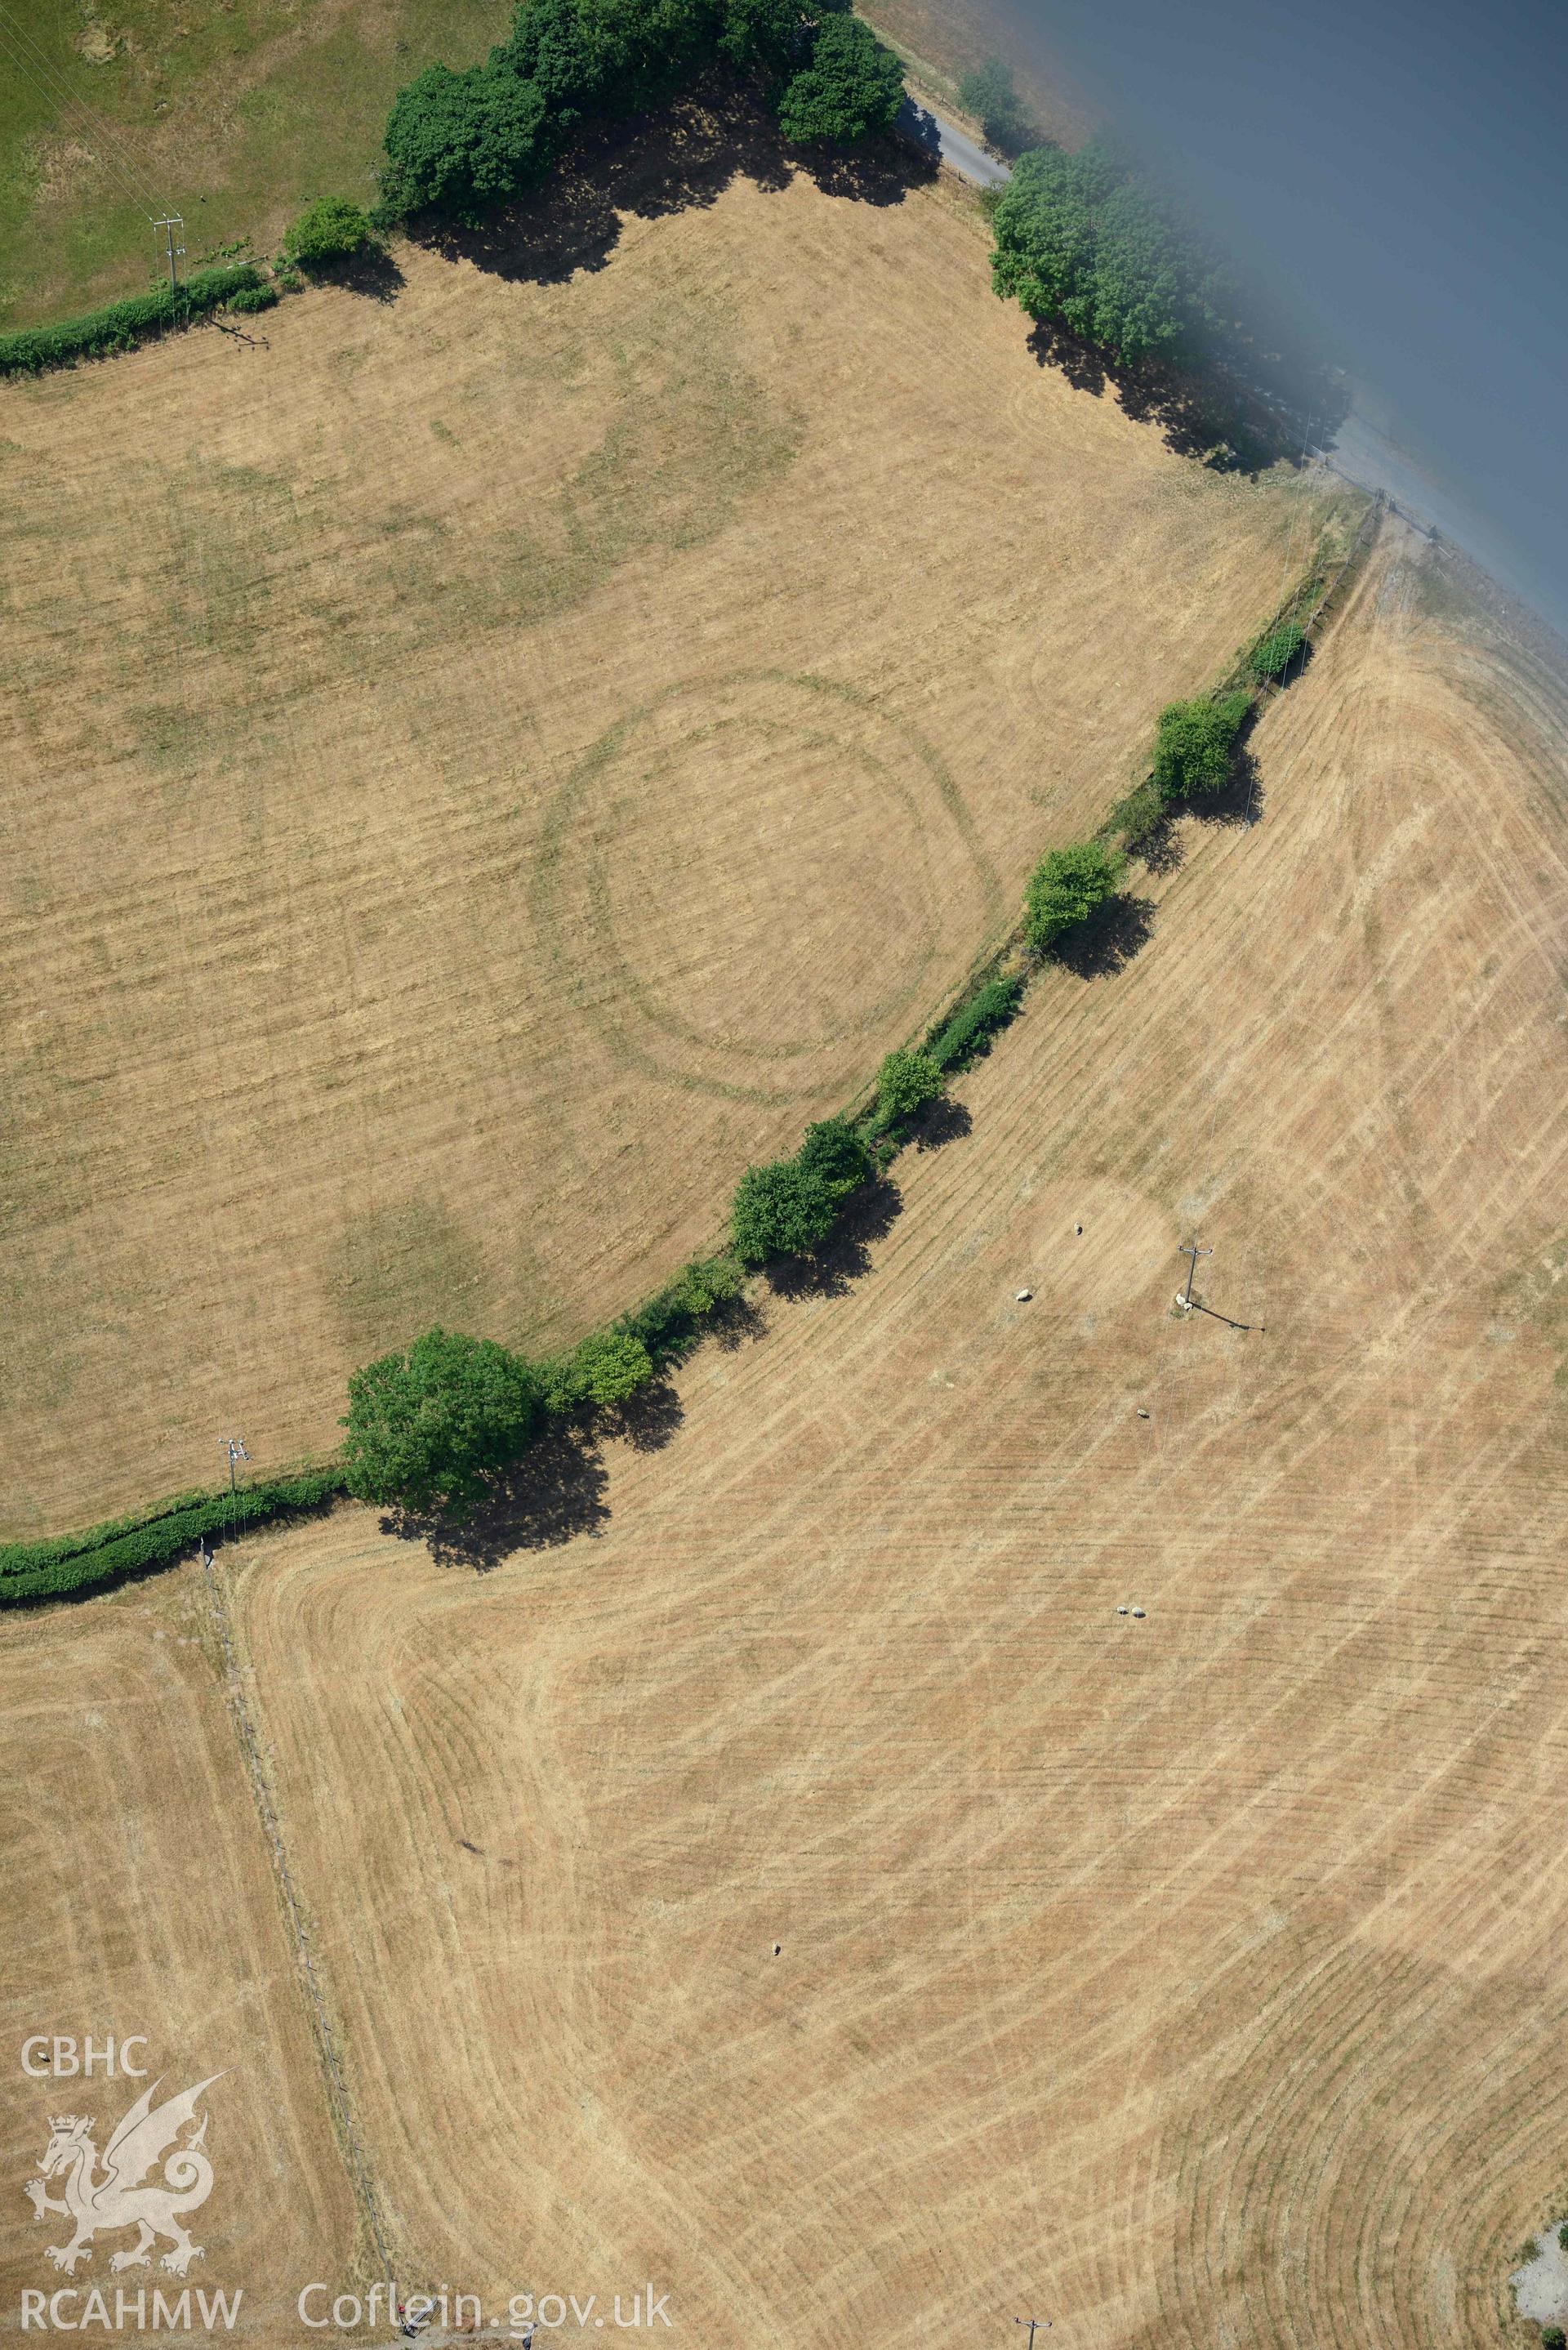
(173,253)
(1184,1297)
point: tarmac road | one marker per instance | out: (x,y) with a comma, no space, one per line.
(961,153)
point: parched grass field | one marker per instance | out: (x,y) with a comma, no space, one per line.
(1190,1980)
(484,759)
(140,1900)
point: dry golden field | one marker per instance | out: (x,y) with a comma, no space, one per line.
(482,765)
(1195,1980)
(140,1900)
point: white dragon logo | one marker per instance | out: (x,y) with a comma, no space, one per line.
(116,2199)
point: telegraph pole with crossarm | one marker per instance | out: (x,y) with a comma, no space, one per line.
(1191,1249)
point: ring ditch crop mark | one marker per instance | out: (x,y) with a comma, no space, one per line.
(821,754)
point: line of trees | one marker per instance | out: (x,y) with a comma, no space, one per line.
(458,142)
(429,1428)
(1196,746)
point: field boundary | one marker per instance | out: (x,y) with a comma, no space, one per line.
(66,1566)
(121,325)
(1310,603)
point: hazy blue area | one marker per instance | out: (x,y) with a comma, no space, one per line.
(1406,169)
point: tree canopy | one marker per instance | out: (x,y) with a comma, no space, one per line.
(852,88)
(834,1154)
(1082,239)
(611,1366)
(904,1082)
(771,39)
(427,1426)
(1066,887)
(783,1209)
(459,142)
(331,229)
(1195,744)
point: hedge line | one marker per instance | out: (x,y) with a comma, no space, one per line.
(123,324)
(122,1546)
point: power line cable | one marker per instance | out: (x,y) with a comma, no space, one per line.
(47,77)
(78,116)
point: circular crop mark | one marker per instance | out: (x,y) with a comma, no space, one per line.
(751,874)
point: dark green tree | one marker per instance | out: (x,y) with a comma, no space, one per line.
(1082,239)
(458,142)
(1157,291)
(904,1082)
(851,91)
(1554,2338)
(427,1426)
(331,229)
(1044,227)
(1066,887)
(596,58)
(771,39)
(834,1155)
(988,93)
(781,1209)
(1195,744)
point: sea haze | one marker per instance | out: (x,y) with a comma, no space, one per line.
(1402,172)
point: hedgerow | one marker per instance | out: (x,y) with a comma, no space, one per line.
(1273,655)
(123,324)
(967,1034)
(105,1553)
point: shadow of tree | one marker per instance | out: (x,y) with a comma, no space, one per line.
(845,1255)
(1054,346)
(881,173)
(1218,413)
(1108,940)
(656,164)
(551,1496)
(648,1419)
(1240,802)
(735,1324)
(373,273)
(939,1121)
(1159,846)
